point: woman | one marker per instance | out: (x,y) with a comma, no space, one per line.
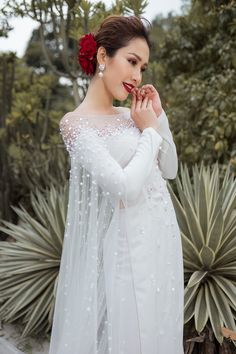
(120,287)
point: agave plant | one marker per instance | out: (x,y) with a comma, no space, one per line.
(29,264)
(206,214)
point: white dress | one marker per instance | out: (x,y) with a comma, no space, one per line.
(121,285)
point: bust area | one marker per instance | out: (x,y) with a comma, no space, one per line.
(77,119)
(76,123)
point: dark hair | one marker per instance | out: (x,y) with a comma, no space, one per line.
(116,31)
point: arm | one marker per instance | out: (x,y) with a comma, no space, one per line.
(167,157)
(122,183)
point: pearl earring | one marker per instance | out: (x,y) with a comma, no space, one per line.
(101,68)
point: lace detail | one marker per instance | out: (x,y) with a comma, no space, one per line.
(109,129)
(71,126)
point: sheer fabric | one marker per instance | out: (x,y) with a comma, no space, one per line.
(120,286)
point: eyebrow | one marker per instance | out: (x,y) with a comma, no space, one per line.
(138,57)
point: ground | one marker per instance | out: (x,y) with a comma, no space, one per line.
(12,343)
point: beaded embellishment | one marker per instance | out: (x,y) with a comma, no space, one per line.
(70,128)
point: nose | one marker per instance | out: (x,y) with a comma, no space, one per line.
(137,77)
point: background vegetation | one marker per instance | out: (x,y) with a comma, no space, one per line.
(193,66)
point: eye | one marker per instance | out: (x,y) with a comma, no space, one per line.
(134,62)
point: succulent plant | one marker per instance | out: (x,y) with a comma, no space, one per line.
(206,213)
(29,263)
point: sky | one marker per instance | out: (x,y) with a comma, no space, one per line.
(20,35)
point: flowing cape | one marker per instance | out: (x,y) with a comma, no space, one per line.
(103,287)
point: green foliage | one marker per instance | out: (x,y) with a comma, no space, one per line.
(53,46)
(7,67)
(32,151)
(29,264)
(206,210)
(135,7)
(5,27)
(196,75)
(34,130)
(193,66)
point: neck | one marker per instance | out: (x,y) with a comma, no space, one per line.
(97,98)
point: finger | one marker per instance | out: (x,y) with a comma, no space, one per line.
(148,93)
(140,93)
(149,86)
(133,103)
(144,103)
(149,104)
(142,90)
(138,103)
(137,93)
(151,89)
(133,91)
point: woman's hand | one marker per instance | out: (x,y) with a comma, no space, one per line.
(149,91)
(142,112)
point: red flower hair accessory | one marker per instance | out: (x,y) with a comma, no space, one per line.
(86,55)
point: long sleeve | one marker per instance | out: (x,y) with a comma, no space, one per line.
(122,183)
(167,157)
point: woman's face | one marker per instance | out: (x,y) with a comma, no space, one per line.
(126,66)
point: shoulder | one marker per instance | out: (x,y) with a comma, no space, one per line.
(67,120)
(69,117)
(69,129)
(68,126)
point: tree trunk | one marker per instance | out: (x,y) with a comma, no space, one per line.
(76,92)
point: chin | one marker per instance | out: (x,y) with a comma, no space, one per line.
(121,97)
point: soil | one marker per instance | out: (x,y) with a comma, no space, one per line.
(11,341)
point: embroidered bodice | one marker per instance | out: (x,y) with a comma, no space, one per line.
(120,158)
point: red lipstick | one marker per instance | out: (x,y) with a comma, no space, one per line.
(128,87)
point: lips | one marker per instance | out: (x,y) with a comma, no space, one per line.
(128,87)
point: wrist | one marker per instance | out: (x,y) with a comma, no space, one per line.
(153,131)
(150,126)
(158,113)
